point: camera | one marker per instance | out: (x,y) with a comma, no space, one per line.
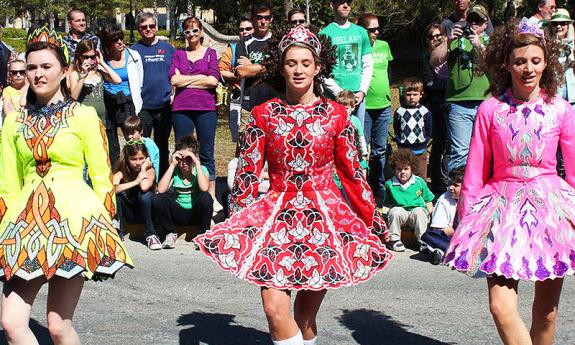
(467,31)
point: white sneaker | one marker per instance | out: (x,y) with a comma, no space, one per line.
(153,242)
(217,207)
(170,241)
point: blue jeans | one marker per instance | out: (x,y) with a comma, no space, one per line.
(376,128)
(460,123)
(135,206)
(205,123)
(360,112)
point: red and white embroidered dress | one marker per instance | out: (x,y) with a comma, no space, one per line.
(301,234)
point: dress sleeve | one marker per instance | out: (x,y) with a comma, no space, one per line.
(95,146)
(175,63)
(478,169)
(567,141)
(250,162)
(213,68)
(352,178)
(10,165)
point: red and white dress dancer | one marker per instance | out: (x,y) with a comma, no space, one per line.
(301,235)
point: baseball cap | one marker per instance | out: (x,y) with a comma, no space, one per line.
(477,13)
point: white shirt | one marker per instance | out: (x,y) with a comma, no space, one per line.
(444,211)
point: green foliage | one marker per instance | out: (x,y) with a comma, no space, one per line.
(19,44)
(13,33)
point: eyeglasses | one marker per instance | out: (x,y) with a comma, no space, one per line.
(249,28)
(372,30)
(148,27)
(17,72)
(89,57)
(191,32)
(260,17)
(434,37)
(559,23)
(297,21)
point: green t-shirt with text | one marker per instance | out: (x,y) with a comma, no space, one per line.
(352,43)
(464,84)
(379,94)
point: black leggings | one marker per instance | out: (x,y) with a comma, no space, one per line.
(170,214)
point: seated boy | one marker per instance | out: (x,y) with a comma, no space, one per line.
(436,239)
(132,130)
(412,125)
(408,198)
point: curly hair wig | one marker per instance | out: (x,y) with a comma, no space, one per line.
(273,61)
(496,59)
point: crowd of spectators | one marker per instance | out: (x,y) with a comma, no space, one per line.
(151,87)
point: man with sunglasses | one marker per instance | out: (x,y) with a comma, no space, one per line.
(249,54)
(77,20)
(354,63)
(226,65)
(156,91)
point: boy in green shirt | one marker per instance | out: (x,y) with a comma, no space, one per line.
(409,200)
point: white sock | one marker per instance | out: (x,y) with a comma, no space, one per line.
(295,340)
(310,342)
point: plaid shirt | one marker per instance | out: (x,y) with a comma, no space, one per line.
(71,43)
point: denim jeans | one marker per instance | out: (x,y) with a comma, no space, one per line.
(460,122)
(439,156)
(135,206)
(376,128)
(360,112)
(204,122)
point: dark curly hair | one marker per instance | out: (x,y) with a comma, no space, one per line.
(402,157)
(273,61)
(188,142)
(501,44)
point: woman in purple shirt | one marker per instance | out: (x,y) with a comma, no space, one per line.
(195,74)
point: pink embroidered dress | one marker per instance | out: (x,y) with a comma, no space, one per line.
(517,215)
(301,234)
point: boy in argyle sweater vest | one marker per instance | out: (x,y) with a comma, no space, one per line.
(412,125)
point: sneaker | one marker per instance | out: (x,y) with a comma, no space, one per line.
(396,246)
(217,207)
(170,241)
(436,258)
(153,242)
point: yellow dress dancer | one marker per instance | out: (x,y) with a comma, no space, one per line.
(51,221)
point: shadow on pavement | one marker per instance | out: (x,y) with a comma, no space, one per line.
(218,329)
(39,331)
(420,257)
(370,327)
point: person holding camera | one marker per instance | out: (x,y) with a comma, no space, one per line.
(465,89)
(459,17)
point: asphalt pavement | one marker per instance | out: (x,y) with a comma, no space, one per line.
(180,297)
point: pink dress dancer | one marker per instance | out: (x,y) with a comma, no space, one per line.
(517,214)
(301,235)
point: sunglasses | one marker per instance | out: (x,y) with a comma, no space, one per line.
(341,2)
(559,23)
(434,37)
(192,32)
(372,30)
(297,21)
(260,17)
(89,57)
(250,28)
(148,27)
(18,72)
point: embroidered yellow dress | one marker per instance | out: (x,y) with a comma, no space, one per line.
(51,221)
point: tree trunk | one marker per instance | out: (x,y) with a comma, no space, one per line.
(288,5)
